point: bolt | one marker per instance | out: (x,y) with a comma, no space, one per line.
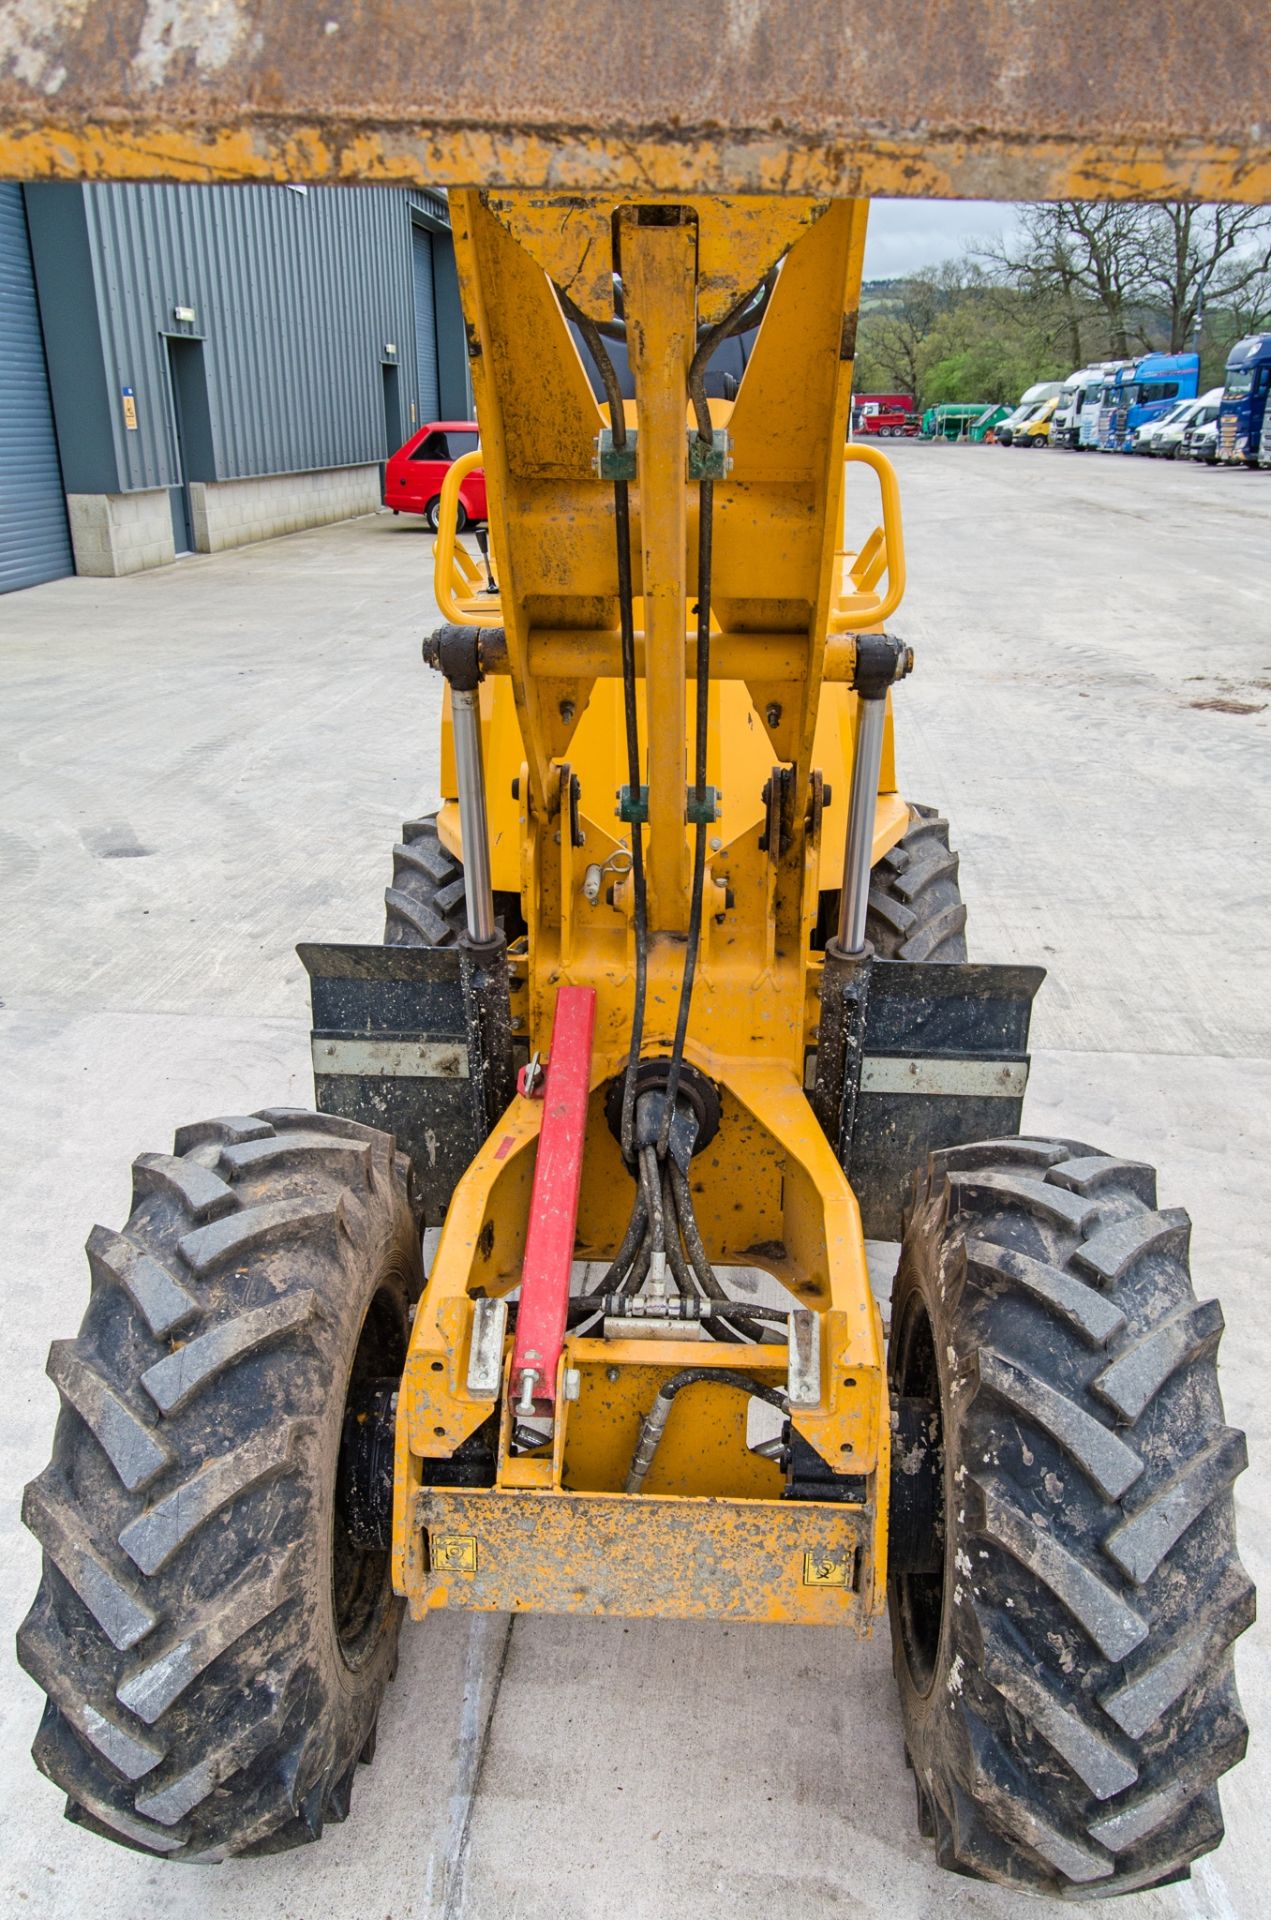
(573,1383)
(611,1374)
(716,843)
(567,711)
(526,1402)
(774,713)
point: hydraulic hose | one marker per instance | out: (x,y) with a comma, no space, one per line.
(626,617)
(699,1260)
(681,1272)
(656,1418)
(631,1243)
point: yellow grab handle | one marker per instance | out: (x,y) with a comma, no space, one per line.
(853,619)
(448,578)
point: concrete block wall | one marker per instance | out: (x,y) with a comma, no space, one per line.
(230,513)
(113,533)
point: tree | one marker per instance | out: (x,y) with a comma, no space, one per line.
(892,335)
(1075,251)
(1192,256)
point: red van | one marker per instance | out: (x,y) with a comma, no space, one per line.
(413,477)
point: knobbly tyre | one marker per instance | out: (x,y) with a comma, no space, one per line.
(674,991)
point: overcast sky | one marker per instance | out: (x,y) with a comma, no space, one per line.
(904,235)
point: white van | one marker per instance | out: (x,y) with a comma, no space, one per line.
(1165,437)
(1029,402)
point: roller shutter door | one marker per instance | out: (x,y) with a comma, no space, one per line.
(425,325)
(34,540)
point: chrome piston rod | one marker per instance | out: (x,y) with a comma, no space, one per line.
(858,853)
(478,892)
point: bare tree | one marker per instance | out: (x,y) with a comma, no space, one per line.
(1043,271)
(1084,253)
(1194,255)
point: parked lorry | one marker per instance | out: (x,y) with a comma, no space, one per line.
(1079,389)
(1244,401)
(890,416)
(955,420)
(1143,390)
(1090,419)
(985,427)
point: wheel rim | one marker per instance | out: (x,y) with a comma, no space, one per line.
(361,1578)
(919,1596)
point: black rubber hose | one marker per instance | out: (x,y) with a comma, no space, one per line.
(604,367)
(705,515)
(734,321)
(626,616)
(640,1268)
(640,910)
(656,1418)
(705,547)
(680,1269)
(631,1242)
(701,1269)
(651,1186)
(698,1257)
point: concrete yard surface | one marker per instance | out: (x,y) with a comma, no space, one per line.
(202,765)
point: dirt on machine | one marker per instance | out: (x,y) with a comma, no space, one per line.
(673,1010)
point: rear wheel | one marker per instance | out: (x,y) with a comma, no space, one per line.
(1064,1654)
(915,909)
(425,907)
(212,1635)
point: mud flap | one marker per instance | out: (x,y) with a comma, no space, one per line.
(945,1061)
(418,1041)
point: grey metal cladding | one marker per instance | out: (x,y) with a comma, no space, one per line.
(34,540)
(296,297)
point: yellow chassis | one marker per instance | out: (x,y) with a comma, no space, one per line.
(710,1534)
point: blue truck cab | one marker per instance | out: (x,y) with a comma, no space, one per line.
(1244,400)
(1143,390)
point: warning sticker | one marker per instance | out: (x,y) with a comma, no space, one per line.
(453,1552)
(826,1569)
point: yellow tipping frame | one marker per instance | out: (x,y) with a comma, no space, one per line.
(786,597)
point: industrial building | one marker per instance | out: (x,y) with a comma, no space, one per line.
(184,368)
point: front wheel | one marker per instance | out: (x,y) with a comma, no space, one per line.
(1062,1625)
(214,1629)
(432,515)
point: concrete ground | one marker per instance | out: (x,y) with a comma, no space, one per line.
(203,765)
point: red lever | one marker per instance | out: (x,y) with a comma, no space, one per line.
(549,1240)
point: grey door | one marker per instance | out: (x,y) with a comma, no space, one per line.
(425,325)
(35,543)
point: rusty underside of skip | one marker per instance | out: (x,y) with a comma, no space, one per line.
(1008,99)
